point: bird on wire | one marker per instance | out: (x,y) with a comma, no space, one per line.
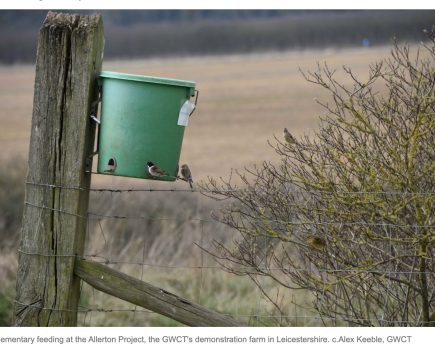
(155,171)
(316,242)
(187,175)
(288,137)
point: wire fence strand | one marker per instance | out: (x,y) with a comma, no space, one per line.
(258,316)
(130,190)
(97,216)
(108,261)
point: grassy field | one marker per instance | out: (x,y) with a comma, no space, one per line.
(244,101)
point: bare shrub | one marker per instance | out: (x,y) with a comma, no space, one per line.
(348,215)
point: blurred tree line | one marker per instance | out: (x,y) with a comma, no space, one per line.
(145,33)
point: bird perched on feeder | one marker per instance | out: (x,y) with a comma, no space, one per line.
(155,171)
(187,175)
(288,137)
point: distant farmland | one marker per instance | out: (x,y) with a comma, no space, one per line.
(244,100)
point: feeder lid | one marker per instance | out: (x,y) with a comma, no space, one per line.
(147,79)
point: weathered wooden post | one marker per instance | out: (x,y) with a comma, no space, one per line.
(69,57)
(150,297)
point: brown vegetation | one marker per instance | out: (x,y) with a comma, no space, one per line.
(348,214)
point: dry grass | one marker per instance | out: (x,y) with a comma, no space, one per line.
(164,248)
(244,100)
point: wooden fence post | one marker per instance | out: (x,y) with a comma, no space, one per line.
(69,57)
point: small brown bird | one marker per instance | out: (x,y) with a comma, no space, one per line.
(155,171)
(316,242)
(187,175)
(288,137)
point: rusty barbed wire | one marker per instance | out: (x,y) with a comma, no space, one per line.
(296,223)
(129,190)
(85,309)
(107,261)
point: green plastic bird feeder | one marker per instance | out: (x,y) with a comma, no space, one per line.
(142,120)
